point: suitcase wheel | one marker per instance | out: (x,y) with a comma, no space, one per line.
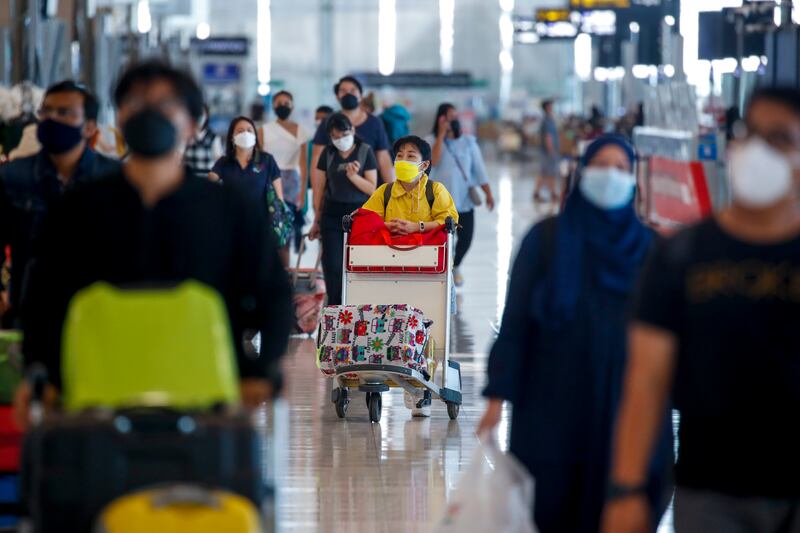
(341,402)
(375,404)
(452,410)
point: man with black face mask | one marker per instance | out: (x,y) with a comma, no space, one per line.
(151,223)
(369,129)
(28,186)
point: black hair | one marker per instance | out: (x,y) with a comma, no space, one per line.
(154,69)
(441,112)
(283,93)
(349,79)
(324,109)
(339,122)
(546,104)
(91,106)
(230,148)
(785,95)
(421,144)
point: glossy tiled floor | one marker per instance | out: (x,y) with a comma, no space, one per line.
(354,476)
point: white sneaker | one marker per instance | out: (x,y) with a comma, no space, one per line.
(408,400)
(421,412)
(411,403)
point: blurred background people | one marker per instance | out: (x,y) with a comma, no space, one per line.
(368,128)
(458,164)
(715,327)
(396,120)
(550,156)
(286,141)
(204,149)
(560,355)
(30,185)
(149,222)
(246,165)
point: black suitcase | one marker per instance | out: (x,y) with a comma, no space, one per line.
(75,465)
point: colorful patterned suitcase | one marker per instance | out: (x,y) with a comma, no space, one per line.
(373,334)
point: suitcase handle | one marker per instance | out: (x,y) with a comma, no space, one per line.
(184,495)
(315,273)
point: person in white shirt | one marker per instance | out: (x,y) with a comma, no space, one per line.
(286,141)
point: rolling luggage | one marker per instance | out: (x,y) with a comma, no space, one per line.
(392,335)
(180,509)
(10,378)
(10,435)
(149,411)
(308,286)
(79,464)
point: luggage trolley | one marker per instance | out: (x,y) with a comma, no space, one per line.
(420,276)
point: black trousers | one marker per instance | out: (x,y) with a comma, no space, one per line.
(464,236)
(297,226)
(332,257)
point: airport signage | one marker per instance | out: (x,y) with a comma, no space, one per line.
(676,192)
(222,46)
(219,73)
(584,5)
(591,5)
(416,79)
(553,15)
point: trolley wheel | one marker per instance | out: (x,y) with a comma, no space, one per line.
(453,410)
(341,403)
(375,404)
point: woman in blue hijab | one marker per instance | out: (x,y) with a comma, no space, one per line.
(560,356)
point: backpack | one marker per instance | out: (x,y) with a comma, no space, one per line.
(387,194)
(395,121)
(362,150)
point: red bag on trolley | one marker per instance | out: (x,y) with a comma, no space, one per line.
(370,229)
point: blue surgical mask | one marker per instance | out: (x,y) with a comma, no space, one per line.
(607,188)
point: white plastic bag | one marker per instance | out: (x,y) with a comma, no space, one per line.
(495,494)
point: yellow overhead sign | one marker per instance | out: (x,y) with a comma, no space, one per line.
(552,15)
(599,4)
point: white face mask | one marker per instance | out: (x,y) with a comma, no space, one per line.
(343,144)
(760,175)
(607,188)
(245,139)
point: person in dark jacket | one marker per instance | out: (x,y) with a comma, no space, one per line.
(30,185)
(152,223)
(560,355)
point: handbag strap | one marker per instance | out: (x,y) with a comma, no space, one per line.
(458,162)
(387,238)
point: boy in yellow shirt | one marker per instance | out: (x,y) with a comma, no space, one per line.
(414,204)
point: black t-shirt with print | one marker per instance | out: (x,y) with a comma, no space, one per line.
(735,309)
(338,187)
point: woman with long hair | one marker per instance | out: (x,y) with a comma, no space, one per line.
(246,165)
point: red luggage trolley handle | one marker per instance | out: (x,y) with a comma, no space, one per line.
(376,251)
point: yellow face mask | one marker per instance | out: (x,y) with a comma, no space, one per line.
(406,171)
